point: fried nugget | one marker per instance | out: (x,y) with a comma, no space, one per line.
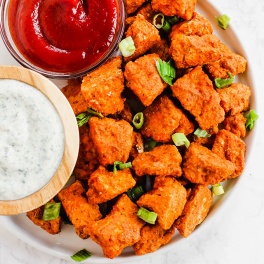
(137,146)
(161,48)
(80,212)
(143,78)
(131,6)
(119,229)
(112,139)
(201,165)
(162,160)
(147,12)
(229,146)
(167,199)
(236,124)
(102,87)
(196,93)
(195,210)
(105,185)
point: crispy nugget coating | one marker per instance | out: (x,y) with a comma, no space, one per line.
(201,165)
(236,124)
(112,139)
(143,79)
(137,146)
(53,227)
(152,237)
(196,93)
(198,25)
(161,120)
(162,160)
(181,8)
(190,51)
(105,185)
(161,48)
(119,229)
(144,34)
(80,212)
(102,88)
(195,210)
(147,12)
(229,146)
(235,98)
(167,199)
(132,5)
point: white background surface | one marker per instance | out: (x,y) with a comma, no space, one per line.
(237,234)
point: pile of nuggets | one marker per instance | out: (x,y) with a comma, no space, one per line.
(181,177)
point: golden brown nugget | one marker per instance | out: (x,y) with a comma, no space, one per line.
(185,126)
(152,237)
(80,212)
(53,227)
(147,11)
(112,139)
(119,229)
(104,185)
(236,125)
(161,120)
(181,8)
(202,166)
(167,199)
(162,160)
(235,98)
(198,25)
(195,210)
(143,79)
(144,34)
(196,93)
(161,48)
(190,51)
(131,6)
(137,146)
(102,87)
(229,146)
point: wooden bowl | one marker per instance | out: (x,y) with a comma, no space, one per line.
(71,141)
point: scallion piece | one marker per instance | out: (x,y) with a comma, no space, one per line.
(82,119)
(217,189)
(180,139)
(147,216)
(166,71)
(121,166)
(201,133)
(222,83)
(81,255)
(138,120)
(173,20)
(166,26)
(149,144)
(51,211)
(94,113)
(223,21)
(251,117)
(158,20)
(127,46)
(135,193)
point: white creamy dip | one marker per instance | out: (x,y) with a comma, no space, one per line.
(31,140)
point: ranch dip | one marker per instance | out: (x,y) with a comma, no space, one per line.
(31,140)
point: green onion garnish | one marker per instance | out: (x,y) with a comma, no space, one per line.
(166,26)
(51,211)
(83,118)
(81,255)
(149,144)
(180,139)
(166,71)
(251,117)
(127,46)
(217,189)
(135,193)
(173,20)
(121,166)
(158,20)
(222,83)
(147,216)
(201,133)
(94,113)
(138,120)
(223,21)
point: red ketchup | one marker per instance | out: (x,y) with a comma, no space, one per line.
(62,35)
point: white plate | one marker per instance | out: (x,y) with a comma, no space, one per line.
(67,242)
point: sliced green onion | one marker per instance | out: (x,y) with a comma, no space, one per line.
(138,120)
(147,216)
(251,117)
(222,83)
(166,71)
(83,118)
(166,26)
(149,144)
(158,20)
(51,211)
(135,193)
(180,139)
(121,166)
(94,113)
(217,189)
(127,46)
(223,21)
(201,133)
(81,255)
(173,20)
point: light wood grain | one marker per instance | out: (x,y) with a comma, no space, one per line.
(71,141)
